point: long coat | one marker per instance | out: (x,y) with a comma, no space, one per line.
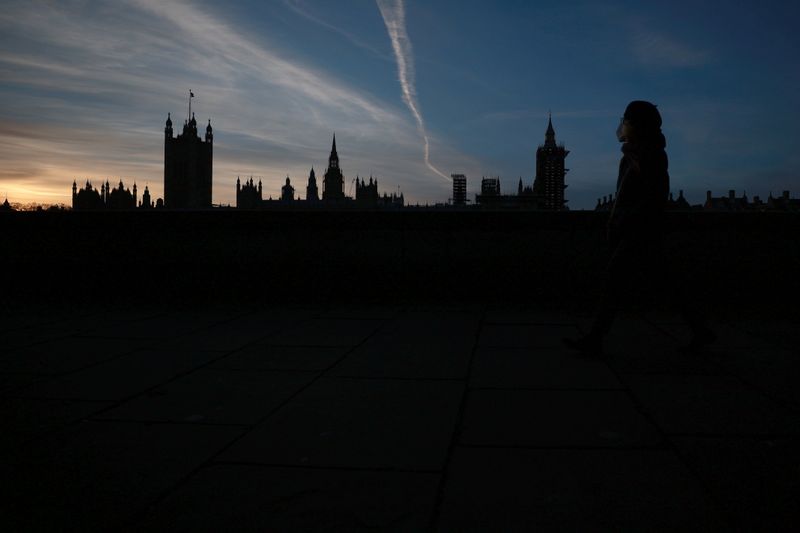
(642,191)
(636,226)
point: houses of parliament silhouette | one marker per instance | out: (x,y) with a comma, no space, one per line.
(250,195)
(188,174)
(110,198)
(546,192)
(188,163)
(188,171)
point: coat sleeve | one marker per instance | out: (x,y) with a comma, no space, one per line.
(628,197)
(641,197)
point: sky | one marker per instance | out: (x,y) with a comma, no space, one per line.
(414,90)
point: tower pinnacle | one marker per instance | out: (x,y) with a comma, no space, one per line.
(333,182)
(333,160)
(550,134)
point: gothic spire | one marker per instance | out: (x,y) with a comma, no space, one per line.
(550,134)
(333,160)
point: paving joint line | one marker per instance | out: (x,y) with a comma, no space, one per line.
(329,467)
(457,428)
(211,460)
(712,494)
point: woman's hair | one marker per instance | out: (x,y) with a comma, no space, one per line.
(646,119)
(643,115)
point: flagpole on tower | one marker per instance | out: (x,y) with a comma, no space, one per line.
(191,95)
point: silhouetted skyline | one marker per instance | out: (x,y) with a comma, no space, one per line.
(188,171)
(85,89)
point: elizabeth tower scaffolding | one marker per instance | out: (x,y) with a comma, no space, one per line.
(550,171)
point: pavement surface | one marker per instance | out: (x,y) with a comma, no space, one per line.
(407,418)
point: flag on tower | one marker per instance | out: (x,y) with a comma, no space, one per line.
(191,94)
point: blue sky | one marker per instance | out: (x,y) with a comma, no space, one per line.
(85,87)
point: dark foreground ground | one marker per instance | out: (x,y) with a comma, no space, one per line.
(392,417)
(299,371)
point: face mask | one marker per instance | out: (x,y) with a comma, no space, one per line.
(620,135)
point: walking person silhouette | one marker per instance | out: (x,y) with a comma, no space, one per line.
(635,233)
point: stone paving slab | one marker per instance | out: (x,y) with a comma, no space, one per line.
(164,325)
(265,356)
(259,498)
(771,369)
(530,315)
(96,321)
(729,337)
(660,317)
(224,337)
(26,419)
(11,321)
(327,332)
(120,378)
(230,334)
(66,355)
(100,476)
(37,333)
(362,311)
(526,335)
(519,490)
(12,381)
(757,479)
(358,423)
(711,405)
(634,337)
(417,345)
(781,332)
(393,417)
(212,395)
(550,368)
(555,419)
(663,360)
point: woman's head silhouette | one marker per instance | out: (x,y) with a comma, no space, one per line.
(641,122)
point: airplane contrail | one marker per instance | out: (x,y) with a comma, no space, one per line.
(394,16)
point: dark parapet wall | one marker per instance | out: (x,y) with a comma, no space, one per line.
(394,256)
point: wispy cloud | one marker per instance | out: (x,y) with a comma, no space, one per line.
(649,38)
(300,8)
(394,16)
(91,86)
(658,49)
(242,54)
